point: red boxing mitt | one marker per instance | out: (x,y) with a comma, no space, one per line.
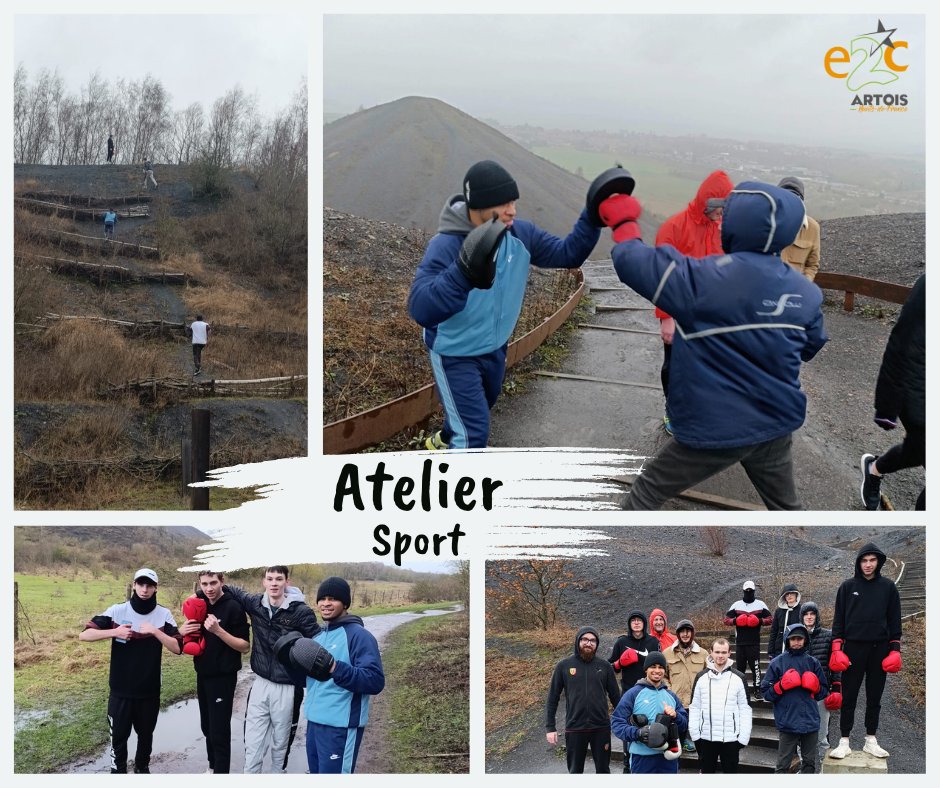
(620,213)
(838,660)
(752,620)
(627,658)
(833,700)
(741,620)
(789,680)
(891,663)
(194,609)
(810,681)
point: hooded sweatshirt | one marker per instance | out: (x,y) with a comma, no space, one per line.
(784,615)
(588,686)
(649,700)
(666,639)
(690,231)
(795,710)
(820,640)
(461,320)
(868,610)
(745,322)
(643,645)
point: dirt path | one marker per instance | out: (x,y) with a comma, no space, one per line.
(179,746)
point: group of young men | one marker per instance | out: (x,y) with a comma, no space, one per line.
(673,695)
(337,696)
(731,278)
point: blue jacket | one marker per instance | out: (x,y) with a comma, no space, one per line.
(343,701)
(460,320)
(644,698)
(745,322)
(796,710)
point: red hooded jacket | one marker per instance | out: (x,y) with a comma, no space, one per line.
(667,638)
(690,230)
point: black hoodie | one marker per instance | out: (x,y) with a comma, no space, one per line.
(587,687)
(868,610)
(643,645)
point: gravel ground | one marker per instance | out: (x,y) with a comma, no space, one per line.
(671,568)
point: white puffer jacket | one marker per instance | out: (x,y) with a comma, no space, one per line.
(719,711)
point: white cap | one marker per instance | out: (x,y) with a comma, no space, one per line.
(149,574)
(749,586)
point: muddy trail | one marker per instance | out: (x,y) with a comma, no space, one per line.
(115,322)
(179,746)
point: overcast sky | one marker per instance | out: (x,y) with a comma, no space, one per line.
(735,75)
(198,58)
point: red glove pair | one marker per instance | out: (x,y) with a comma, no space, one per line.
(792,679)
(628,657)
(838,660)
(747,620)
(620,212)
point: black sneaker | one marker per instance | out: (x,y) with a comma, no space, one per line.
(871,484)
(141,769)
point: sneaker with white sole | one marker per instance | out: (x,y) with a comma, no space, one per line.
(872,747)
(667,425)
(871,484)
(435,442)
(842,750)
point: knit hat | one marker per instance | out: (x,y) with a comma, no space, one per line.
(685,624)
(748,585)
(793,184)
(654,658)
(337,588)
(487,184)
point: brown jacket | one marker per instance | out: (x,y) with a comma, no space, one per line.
(803,253)
(683,668)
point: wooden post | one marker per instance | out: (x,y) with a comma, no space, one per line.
(16,611)
(186,461)
(200,451)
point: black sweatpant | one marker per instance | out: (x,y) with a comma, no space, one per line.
(216,697)
(576,744)
(676,468)
(197,355)
(866,660)
(710,752)
(664,372)
(123,715)
(910,453)
(746,656)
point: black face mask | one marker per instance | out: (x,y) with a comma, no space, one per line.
(749,595)
(143,606)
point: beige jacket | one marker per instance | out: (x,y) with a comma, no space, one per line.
(803,253)
(683,668)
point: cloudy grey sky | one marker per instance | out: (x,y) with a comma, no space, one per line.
(756,77)
(197,57)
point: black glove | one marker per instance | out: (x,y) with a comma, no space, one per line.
(477,258)
(312,659)
(638,720)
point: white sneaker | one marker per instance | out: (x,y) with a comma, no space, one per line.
(873,748)
(842,750)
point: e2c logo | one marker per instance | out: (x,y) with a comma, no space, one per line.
(871,50)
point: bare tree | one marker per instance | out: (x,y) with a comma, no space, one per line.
(187,133)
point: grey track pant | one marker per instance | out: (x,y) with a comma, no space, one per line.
(676,468)
(267,720)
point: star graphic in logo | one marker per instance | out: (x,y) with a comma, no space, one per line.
(887,39)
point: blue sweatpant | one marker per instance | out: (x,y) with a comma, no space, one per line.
(652,764)
(332,750)
(468,386)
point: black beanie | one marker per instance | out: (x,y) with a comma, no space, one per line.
(654,658)
(487,184)
(792,184)
(337,588)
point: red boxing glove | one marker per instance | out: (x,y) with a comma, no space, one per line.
(789,680)
(752,620)
(810,681)
(833,700)
(626,659)
(891,663)
(620,212)
(741,620)
(838,660)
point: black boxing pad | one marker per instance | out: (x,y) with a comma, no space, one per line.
(616,180)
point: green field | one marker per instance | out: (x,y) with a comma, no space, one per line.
(663,188)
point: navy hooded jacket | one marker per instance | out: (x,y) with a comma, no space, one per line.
(796,710)
(745,322)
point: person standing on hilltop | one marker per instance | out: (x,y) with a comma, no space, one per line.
(110,149)
(148,174)
(803,253)
(467,294)
(696,232)
(747,322)
(199,329)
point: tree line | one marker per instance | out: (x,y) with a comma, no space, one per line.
(53,126)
